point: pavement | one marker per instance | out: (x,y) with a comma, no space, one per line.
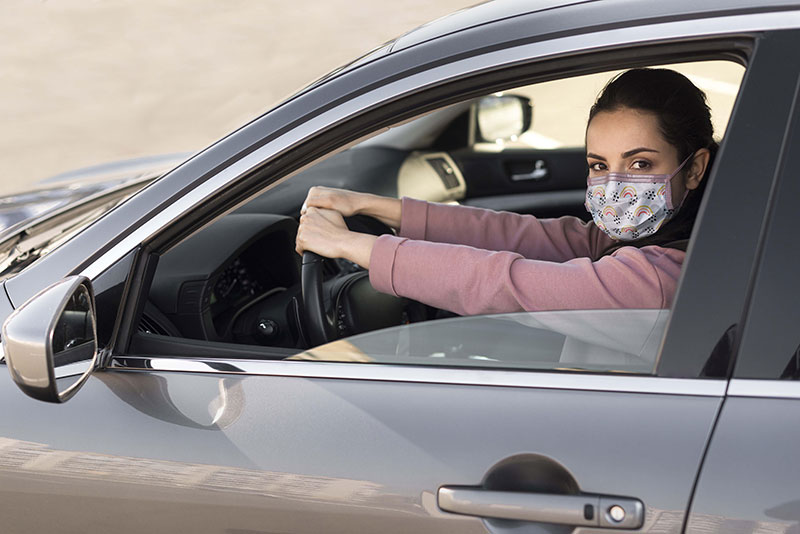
(85,82)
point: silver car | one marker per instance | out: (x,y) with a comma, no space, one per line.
(199,377)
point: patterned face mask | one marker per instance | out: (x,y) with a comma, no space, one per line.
(630,206)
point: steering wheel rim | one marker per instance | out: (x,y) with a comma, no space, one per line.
(320,326)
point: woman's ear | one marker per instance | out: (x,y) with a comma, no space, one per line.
(697,168)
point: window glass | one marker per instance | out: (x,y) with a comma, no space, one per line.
(238,280)
(561,107)
(585,340)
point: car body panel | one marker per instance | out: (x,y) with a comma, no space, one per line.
(221,453)
(753,450)
(523,20)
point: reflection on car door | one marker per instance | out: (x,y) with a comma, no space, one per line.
(249,450)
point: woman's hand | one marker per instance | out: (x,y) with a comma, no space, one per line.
(349,203)
(341,200)
(323,231)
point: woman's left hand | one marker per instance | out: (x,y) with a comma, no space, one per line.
(324,231)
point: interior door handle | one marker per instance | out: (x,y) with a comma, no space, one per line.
(577,510)
(539,172)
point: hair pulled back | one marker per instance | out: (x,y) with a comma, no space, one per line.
(684,120)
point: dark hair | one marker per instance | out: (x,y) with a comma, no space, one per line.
(685,122)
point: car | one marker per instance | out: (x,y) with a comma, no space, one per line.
(174,366)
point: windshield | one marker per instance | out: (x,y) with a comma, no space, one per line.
(23,247)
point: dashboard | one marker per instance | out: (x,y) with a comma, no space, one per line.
(243,264)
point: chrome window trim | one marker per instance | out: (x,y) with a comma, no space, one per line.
(771,389)
(428,375)
(656,33)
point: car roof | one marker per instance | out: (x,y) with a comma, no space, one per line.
(498,23)
(576,14)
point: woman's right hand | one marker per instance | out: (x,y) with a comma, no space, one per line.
(344,201)
(349,203)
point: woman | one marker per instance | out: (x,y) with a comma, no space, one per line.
(649,144)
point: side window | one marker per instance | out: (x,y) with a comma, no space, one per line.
(593,340)
(561,107)
(238,281)
(770,344)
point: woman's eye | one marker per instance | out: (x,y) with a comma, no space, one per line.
(640,165)
(597,166)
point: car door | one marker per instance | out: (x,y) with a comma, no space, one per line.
(227,444)
(749,480)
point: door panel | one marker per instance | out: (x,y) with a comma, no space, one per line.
(217,453)
(546,183)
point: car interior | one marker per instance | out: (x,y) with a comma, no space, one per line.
(237,282)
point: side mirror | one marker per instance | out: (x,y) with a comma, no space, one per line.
(502,117)
(50,342)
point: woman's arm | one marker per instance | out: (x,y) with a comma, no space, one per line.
(471,281)
(559,239)
(547,239)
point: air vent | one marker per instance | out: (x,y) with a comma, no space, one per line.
(445,172)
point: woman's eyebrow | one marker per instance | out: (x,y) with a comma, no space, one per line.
(595,156)
(630,153)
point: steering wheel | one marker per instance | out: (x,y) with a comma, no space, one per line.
(321,326)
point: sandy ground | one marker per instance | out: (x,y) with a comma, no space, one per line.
(91,81)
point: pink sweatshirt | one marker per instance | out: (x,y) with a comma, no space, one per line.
(475,261)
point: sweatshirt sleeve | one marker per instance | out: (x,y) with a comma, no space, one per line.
(559,239)
(471,281)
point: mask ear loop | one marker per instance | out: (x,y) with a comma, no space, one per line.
(669,183)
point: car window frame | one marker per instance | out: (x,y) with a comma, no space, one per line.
(726,245)
(244,171)
(155,247)
(769,340)
(165,240)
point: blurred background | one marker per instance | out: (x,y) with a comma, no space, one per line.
(86,82)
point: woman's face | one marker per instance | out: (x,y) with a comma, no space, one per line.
(629,141)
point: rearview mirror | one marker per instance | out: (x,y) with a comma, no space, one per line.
(50,342)
(502,117)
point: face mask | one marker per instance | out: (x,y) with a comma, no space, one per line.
(630,206)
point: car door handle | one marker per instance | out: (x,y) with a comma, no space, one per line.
(577,510)
(539,172)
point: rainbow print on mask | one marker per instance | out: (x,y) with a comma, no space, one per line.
(643,210)
(628,192)
(599,191)
(627,230)
(662,191)
(609,211)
